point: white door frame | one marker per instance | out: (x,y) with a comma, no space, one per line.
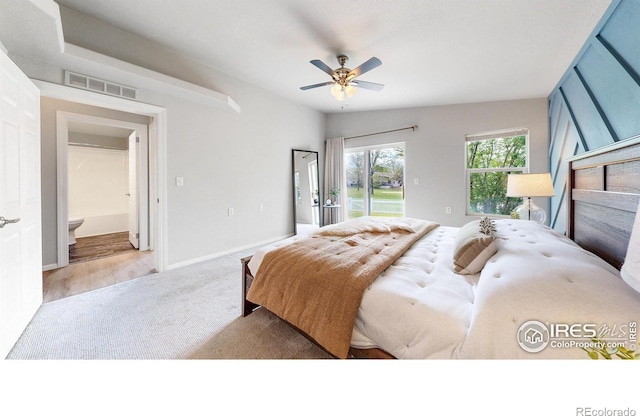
(135,213)
(157,138)
(63,118)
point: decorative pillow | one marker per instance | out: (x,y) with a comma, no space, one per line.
(475,244)
(630,271)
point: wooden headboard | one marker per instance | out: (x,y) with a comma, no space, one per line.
(604,191)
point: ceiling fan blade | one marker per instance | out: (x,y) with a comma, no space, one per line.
(365,67)
(322,84)
(324,67)
(367,85)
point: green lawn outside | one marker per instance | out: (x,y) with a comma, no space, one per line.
(356,214)
(390,194)
(383,194)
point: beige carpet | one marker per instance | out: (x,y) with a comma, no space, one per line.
(261,335)
(190,312)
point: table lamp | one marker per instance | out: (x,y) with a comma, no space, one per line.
(528,185)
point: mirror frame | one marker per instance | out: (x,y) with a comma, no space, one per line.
(293,182)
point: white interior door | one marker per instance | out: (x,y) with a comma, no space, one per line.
(21,224)
(134,232)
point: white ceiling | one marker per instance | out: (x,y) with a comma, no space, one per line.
(433,52)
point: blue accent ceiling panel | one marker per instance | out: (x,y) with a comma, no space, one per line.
(566,145)
(622,33)
(565,139)
(614,91)
(593,128)
(559,141)
(597,100)
(555,106)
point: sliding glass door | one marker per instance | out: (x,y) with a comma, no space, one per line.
(375,181)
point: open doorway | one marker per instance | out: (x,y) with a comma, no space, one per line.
(157,137)
(103,215)
(102,183)
(102,190)
(107,271)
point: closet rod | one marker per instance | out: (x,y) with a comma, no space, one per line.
(96,146)
(414,127)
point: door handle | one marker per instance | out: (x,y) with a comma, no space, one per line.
(4,221)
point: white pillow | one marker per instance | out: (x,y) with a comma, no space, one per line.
(472,247)
(630,270)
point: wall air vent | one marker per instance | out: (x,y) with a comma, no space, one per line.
(99,85)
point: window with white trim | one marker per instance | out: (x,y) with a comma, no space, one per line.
(490,158)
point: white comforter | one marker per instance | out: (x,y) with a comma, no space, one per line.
(419,308)
(540,275)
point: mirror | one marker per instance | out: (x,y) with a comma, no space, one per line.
(306,196)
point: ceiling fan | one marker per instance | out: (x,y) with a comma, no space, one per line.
(344,79)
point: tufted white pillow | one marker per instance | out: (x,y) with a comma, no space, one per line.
(630,271)
(472,249)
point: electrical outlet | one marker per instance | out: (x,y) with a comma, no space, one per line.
(416,181)
(230,211)
(179,181)
(447,210)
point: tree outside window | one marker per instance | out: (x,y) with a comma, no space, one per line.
(489,160)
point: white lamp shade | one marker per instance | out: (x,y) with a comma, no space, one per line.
(351,90)
(341,92)
(529,185)
(338,92)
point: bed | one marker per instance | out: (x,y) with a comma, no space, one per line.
(494,288)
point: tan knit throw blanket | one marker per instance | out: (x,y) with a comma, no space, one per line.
(317,283)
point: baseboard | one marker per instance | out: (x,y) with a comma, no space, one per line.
(48,267)
(224,253)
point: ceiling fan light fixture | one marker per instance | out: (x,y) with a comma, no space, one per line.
(350,90)
(343,84)
(341,92)
(338,92)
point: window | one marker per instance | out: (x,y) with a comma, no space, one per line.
(490,158)
(375,180)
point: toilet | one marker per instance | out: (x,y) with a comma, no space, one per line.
(73,224)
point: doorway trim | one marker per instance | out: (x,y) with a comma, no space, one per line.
(157,137)
(63,118)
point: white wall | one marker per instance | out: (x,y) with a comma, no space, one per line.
(435,152)
(230,160)
(227,160)
(98,182)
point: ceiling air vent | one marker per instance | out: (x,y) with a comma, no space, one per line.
(99,85)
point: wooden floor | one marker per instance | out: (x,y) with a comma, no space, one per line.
(102,266)
(99,246)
